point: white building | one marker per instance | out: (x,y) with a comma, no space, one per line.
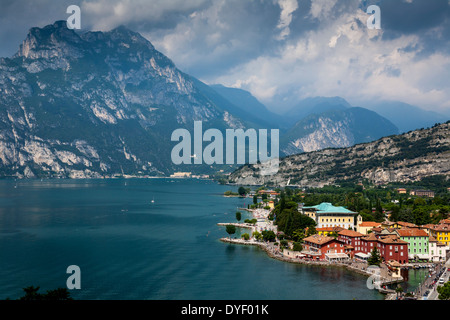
(437,250)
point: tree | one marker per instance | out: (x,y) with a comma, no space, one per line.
(255,199)
(238,216)
(268,235)
(399,290)
(31,293)
(444,291)
(257,235)
(245,236)
(231,229)
(311,230)
(375,258)
(297,246)
(242,191)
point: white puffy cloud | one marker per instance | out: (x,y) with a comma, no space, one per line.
(287,8)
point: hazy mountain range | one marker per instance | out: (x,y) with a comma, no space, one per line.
(103,103)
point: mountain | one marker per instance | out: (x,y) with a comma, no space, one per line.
(407,117)
(407,157)
(97,104)
(314,105)
(249,108)
(335,129)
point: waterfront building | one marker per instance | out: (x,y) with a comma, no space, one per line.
(327,215)
(392,247)
(351,238)
(418,242)
(319,247)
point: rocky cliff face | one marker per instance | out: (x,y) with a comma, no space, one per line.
(336,129)
(95,104)
(398,158)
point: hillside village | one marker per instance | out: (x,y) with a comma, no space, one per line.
(328,234)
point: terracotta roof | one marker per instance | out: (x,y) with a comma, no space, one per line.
(369,224)
(350,233)
(412,233)
(331,229)
(370,237)
(392,240)
(406,224)
(318,239)
(445,221)
(441,227)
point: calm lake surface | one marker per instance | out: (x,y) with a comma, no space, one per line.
(130,248)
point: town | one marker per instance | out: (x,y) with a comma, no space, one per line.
(288,229)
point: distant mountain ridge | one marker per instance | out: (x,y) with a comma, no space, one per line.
(336,129)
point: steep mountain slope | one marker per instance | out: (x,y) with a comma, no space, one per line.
(249,108)
(95,104)
(400,158)
(335,129)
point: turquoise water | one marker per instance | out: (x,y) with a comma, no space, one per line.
(130,248)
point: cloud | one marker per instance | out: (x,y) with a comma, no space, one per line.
(287,8)
(280,50)
(344,58)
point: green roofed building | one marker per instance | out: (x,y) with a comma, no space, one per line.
(327,215)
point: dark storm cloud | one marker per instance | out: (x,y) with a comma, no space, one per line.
(18,16)
(280,50)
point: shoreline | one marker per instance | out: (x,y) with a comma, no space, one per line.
(274,253)
(389,294)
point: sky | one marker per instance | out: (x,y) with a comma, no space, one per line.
(282,51)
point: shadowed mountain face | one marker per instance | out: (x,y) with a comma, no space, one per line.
(96,104)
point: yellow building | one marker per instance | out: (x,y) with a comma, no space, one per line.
(441,233)
(365,226)
(326,215)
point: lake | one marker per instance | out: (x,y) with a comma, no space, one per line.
(130,248)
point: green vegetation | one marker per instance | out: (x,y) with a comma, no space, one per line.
(444,291)
(231,229)
(376,203)
(31,293)
(287,218)
(375,258)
